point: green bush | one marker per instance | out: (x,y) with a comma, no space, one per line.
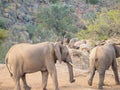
(53,1)
(4,47)
(32,30)
(58,18)
(3,22)
(106,25)
(48,35)
(90,16)
(93,1)
(3,35)
(118,1)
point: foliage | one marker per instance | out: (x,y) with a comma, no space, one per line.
(3,35)
(3,50)
(53,1)
(3,22)
(47,35)
(32,30)
(93,1)
(58,18)
(118,1)
(90,16)
(105,26)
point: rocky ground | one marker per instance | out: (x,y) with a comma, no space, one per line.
(81,76)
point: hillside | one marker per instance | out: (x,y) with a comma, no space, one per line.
(20,17)
(34,21)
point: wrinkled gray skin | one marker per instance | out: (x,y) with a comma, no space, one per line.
(28,58)
(101,58)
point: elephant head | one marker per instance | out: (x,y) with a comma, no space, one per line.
(62,54)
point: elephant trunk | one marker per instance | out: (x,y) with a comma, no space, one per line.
(71,75)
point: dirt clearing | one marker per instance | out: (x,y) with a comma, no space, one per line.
(81,76)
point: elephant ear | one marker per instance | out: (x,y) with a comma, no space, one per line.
(58,51)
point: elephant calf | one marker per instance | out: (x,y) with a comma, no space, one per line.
(101,58)
(28,58)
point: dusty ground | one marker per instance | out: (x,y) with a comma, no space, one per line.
(81,76)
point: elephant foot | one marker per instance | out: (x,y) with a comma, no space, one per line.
(17,89)
(117,83)
(89,82)
(72,81)
(26,88)
(100,87)
(44,89)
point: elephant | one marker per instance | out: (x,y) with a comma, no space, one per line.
(101,58)
(26,58)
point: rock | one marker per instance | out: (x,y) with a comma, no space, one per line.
(72,42)
(18,5)
(6,15)
(78,43)
(80,58)
(6,1)
(85,47)
(6,10)
(13,6)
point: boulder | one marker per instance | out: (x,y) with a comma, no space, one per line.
(72,42)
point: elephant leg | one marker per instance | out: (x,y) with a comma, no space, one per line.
(17,83)
(101,79)
(53,74)
(25,86)
(91,77)
(44,79)
(16,78)
(115,71)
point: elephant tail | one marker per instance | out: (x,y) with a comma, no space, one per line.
(6,62)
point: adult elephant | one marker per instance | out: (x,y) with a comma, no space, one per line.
(101,58)
(28,58)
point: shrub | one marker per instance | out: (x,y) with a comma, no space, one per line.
(58,18)
(32,30)
(93,1)
(48,35)
(3,35)
(106,25)
(3,22)
(4,47)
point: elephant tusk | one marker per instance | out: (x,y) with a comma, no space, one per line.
(71,64)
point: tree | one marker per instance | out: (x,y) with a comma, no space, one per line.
(86,1)
(59,18)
